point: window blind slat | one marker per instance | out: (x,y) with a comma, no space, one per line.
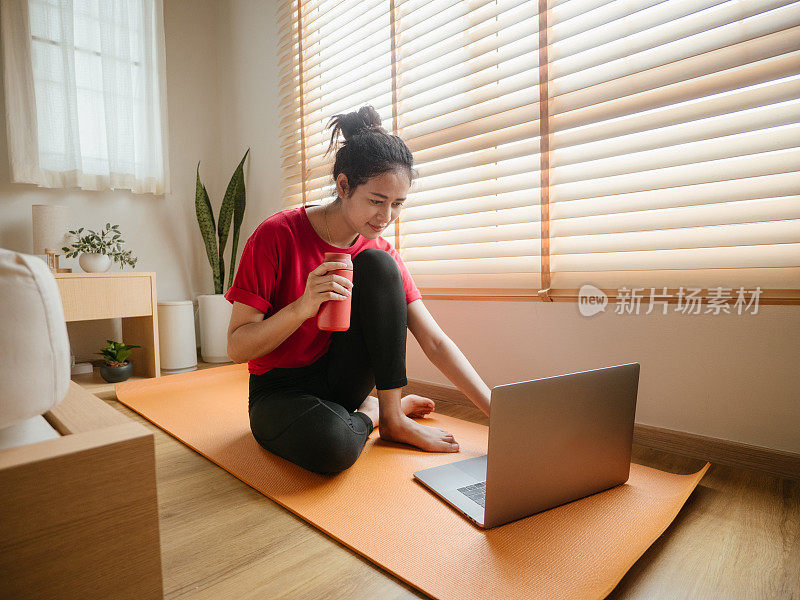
(486,218)
(476,266)
(530,280)
(748,278)
(571,19)
(454,149)
(446,39)
(678,97)
(740,167)
(319,38)
(471,233)
(674,136)
(681,23)
(479,250)
(749,188)
(455,129)
(722,213)
(493,60)
(318,15)
(571,95)
(719,114)
(769,255)
(673,152)
(486,27)
(695,53)
(734,238)
(503,162)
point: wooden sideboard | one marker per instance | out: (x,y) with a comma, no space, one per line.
(130,296)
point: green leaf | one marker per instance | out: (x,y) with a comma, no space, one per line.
(238,214)
(117,351)
(107,354)
(205,220)
(224,223)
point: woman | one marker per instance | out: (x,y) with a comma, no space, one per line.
(309,388)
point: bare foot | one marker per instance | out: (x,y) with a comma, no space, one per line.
(408,431)
(416,406)
(370,408)
(412,405)
(430,439)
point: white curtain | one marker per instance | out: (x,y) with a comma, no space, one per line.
(85,86)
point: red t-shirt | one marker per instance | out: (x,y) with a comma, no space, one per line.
(273,271)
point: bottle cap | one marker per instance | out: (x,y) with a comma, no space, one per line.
(338,257)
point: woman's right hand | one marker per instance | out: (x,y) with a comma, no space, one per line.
(322,286)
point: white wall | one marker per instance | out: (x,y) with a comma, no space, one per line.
(733,377)
(249,105)
(727,376)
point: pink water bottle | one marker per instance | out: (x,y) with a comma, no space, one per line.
(334,315)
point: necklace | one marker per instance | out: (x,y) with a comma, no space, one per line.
(327,229)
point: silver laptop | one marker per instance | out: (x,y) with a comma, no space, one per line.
(551,441)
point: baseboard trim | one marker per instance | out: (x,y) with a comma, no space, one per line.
(715,450)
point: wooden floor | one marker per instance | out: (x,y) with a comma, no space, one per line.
(738,536)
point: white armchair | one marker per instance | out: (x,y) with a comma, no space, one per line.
(78,504)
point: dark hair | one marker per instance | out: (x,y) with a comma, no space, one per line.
(368,150)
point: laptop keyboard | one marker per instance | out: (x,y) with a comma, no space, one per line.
(475,492)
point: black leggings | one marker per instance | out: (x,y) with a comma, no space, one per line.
(306,414)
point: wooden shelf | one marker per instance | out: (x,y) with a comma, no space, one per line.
(129,296)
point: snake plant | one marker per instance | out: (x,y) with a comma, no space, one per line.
(231,210)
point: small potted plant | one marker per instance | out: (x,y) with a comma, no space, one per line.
(97,250)
(116,367)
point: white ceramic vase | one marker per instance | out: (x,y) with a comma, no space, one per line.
(215,315)
(94,262)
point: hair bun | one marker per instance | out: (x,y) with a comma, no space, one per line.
(348,125)
(367,118)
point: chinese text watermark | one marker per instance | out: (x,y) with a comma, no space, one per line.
(687,301)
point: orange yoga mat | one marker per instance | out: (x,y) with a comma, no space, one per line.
(579,550)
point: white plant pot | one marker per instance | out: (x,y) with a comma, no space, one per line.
(215,315)
(94,262)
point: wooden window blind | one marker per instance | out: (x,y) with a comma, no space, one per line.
(624,143)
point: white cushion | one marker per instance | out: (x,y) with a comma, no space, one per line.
(34,348)
(29,431)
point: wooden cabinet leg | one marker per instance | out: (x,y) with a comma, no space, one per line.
(143,331)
